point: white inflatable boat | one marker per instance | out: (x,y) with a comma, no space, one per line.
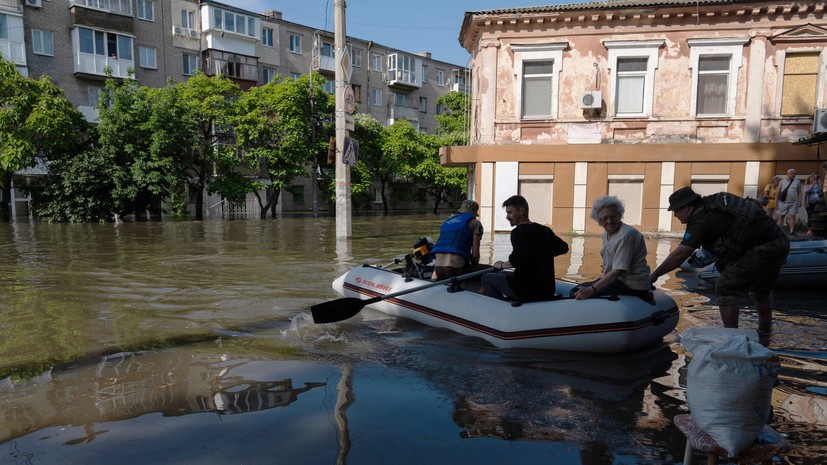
(604,324)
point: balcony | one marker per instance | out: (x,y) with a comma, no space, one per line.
(13,51)
(406,113)
(324,64)
(404,71)
(95,65)
(119,7)
(460,87)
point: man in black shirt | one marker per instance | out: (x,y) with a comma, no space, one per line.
(534,248)
(750,249)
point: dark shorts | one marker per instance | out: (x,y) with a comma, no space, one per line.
(754,272)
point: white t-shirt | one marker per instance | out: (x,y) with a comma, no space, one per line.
(626,250)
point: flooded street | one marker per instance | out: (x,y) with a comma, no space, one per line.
(192,343)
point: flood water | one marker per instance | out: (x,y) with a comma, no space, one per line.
(192,343)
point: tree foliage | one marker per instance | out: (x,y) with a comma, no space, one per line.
(36,122)
(453,122)
(280,132)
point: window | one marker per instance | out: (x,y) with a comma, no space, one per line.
(123,7)
(267,37)
(376,97)
(404,68)
(357,93)
(538,80)
(356,57)
(105,44)
(633,63)
(268,74)
(539,67)
(295,76)
(188,19)
(400,100)
(327,50)
(423,104)
(42,42)
(713,83)
(147,57)
(424,73)
(631,85)
(798,94)
(4,27)
(146,10)
(94,94)
(295,43)
(190,64)
(330,86)
(376,62)
(232,22)
(715,64)
(440,109)
(439,76)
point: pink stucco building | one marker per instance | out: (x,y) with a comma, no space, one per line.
(637,98)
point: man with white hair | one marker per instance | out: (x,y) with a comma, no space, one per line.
(788,200)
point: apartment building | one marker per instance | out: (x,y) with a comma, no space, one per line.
(637,98)
(74,42)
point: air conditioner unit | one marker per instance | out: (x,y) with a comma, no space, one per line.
(820,120)
(193,33)
(591,99)
(177,30)
(34,3)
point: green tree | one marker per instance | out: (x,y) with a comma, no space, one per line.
(277,131)
(36,122)
(402,149)
(453,122)
(371,160)
(133,125)
(211,101)
(435,179)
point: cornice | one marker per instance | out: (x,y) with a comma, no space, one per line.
(628,13)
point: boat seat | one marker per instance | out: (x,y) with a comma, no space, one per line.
(769,444)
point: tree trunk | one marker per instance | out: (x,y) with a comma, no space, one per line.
(438,201)
(199,201)
(275,200)
(384,200)
(5,195)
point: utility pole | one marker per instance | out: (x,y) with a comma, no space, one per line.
(343,223)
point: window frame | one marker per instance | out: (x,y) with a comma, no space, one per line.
(523,53)
(267,36)
(193,67)
(423,104)
(620,49)
(49,50)
(376,97)
(141,62)
(356,57)
(376,62)
(265,79)
(821,72)
(142,6)
(734,47)
(295,45)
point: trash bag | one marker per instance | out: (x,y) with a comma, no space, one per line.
(729,384)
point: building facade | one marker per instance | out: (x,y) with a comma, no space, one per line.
(75,43)
(637,98)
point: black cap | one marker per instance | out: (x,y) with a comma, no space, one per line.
(681,197)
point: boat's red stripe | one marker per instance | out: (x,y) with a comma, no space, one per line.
(528,334)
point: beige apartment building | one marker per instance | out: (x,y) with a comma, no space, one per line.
(637,98)
(74,41)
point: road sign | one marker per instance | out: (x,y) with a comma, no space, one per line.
(347,66)
(350,99)
(350,151)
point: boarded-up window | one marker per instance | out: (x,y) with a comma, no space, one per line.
(800,79)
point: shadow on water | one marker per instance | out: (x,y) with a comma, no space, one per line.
(186,342)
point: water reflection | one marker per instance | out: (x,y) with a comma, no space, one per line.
(192,342)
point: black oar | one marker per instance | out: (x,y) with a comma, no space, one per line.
(342,309)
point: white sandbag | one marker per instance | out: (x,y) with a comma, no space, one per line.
(729,384)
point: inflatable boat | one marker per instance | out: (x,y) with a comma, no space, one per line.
(805,269)
(608,324)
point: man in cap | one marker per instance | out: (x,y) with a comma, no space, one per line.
(750,249)
(458,246)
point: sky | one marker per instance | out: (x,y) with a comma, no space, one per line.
(412,26)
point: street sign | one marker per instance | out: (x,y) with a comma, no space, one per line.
(349,123)
(350,151)
(347,66)
(350,99)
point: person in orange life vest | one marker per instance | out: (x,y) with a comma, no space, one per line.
(458,246)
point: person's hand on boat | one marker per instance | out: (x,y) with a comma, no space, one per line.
(585,292)
(500,265)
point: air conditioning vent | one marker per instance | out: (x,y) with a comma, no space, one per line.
(820,121)
(177,30)
(591,99)
(34,3)
(193,33)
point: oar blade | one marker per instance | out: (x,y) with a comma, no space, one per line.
(336,310)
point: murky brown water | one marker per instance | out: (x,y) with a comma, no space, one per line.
(182,342)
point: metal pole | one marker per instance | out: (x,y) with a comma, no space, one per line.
(343,223)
